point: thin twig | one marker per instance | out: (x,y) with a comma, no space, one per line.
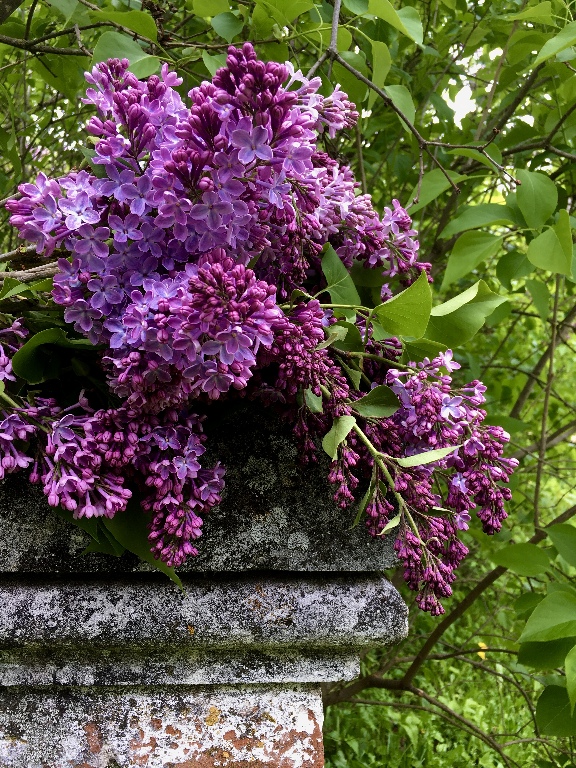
(546,406)
(79,41)
(29,275)
(423,143)
(552,440)
(522,398)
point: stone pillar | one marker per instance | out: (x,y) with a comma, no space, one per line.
(104,664)
(128,673)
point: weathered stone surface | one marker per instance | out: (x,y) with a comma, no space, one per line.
(274,515)
(103,665)
(163,669)
(266,612)
(244,727)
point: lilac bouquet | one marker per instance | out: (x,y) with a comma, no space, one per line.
(208,254)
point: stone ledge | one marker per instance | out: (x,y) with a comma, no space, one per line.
(264,612)
(25,669)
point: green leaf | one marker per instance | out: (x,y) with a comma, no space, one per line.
(419,459)
(61,73)
(98,170)
(402,99)
(340,284)
(456,321)
(340,430)
(381,63)
(563,231)
(206,8)
(492,151)
(355,89)
(335,333)
(138,21)
(391,524)
(526,603)
(553,712)
(227,25)
(106,544)
(379,403)
(434,183)
(545,655)
(35,368)
(130,529)
(89,525)
(213,63)
(283,12)
(357,7)
(407,20)
(366,277)
(66,7)
(364,503)
(564,39)
(470,250)
(478,216)
(407,314)
(541,13)
(570,665)
(553,619)
(117,45)
(540,297)
(353,374)
(513,266)
(537,197)
(313,402)
(524,559)
(416,351)
(546,252)
(44,286)
(352,341)
(343,38)
(410,18)
(563,536)
(13,287)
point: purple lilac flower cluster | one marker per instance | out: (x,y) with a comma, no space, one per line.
(432,501)
(83,458)
(201,220)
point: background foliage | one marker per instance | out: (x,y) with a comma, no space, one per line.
(468,112)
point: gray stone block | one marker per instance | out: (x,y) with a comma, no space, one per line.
(105,665)
(274,514)
(267,629)
(241,727)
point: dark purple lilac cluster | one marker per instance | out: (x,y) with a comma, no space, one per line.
(178,253)
(429,503)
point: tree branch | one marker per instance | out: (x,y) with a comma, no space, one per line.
(31,47)
(552,440)
(346,692)
(7,8)
(546,406)
(537,370)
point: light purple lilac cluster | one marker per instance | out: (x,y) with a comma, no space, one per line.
(175,257)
